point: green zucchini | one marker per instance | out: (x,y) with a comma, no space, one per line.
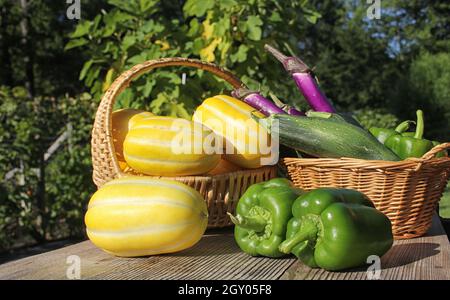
(326,137)
(342,117)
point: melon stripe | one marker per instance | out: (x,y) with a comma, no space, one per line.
(172,129)
(140,202)
(237,107)
(152,183)
(160,143)
(143,230)
(165,161)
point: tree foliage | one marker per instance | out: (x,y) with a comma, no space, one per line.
(43,200)
(230,33)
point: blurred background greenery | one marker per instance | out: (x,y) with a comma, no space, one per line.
(54,71)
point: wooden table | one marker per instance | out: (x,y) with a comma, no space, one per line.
(216,256)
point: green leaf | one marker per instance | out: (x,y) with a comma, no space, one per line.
(125,98)
(227,4)
(148,87)
(221,27)
(312,18)
(148,26)
(85,68)
(198,45)
(253,26)
(137,59)
(128,6)
(157,103)
(76,43)
(146,5)
(197,8)
(174,78)
(82,28)
(240,55)
(108,30)
(182,112)
(275,17)
(128,41)
(116,17)
(92,75)
(194,27)
(96,22)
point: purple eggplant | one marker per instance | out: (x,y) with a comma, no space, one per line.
(257,101)
(304,79)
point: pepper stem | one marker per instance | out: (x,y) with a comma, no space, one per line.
(419,125)
(403,126)
(307,231)
(256,223)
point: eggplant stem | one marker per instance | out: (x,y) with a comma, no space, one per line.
(277,101)
(292,64)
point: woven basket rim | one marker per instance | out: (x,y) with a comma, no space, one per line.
(347,162)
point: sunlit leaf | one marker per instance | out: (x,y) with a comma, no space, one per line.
(253,26)
(197,8)
(207,53)
(208,29)
(82,29)
(85,68)
(76,43)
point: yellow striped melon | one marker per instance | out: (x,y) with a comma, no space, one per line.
(122,121)
(166,146)
(136,216)
(231,119)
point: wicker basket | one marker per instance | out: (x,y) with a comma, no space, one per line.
(406,191)
(221,192)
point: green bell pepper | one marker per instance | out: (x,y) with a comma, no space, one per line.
(405,145)
(382,134)
(336,229)
(261,217)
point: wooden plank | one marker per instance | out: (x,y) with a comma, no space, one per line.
(216,256)
(425,258)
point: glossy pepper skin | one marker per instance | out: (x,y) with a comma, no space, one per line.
(382,134)
(405,145)
(336,229)
(262,214)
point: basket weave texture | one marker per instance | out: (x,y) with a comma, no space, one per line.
(406,191)
(221,192)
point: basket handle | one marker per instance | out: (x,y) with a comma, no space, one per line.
(104,160)
(438,148)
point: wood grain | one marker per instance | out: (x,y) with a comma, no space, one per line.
(216,256)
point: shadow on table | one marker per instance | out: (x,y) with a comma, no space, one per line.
(404,254)
(211,245)
(401,255)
